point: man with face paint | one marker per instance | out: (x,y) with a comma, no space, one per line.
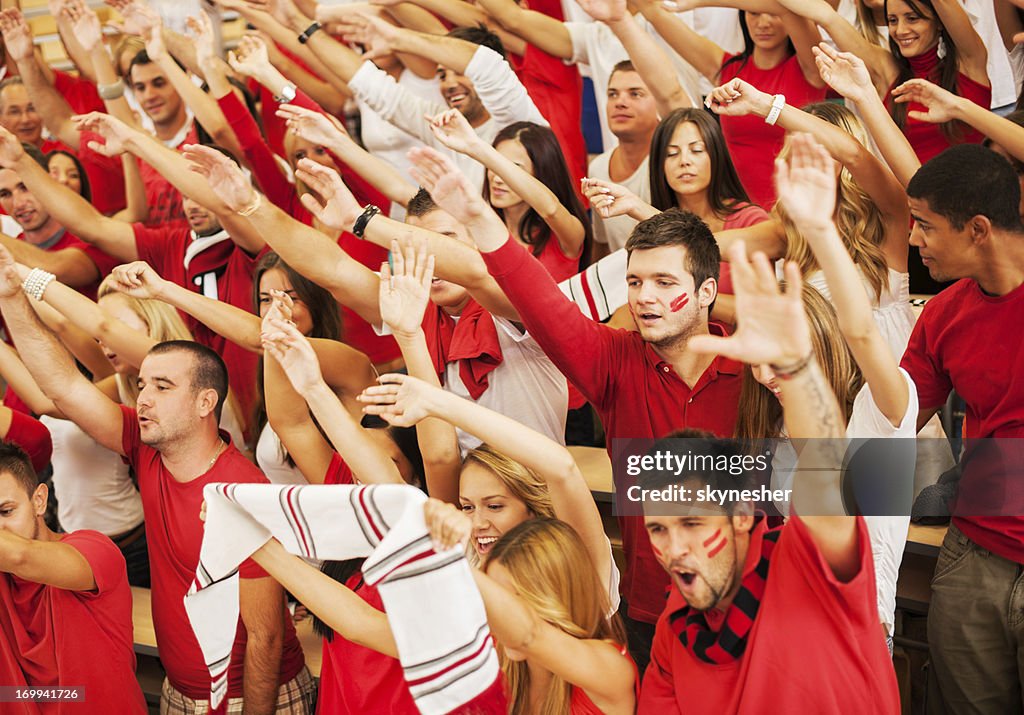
(782,619)
(63,599)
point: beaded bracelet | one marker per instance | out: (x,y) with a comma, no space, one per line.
(36,281)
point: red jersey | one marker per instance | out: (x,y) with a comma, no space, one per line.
(163,200)
(634,391)
(221,271)
(943,355)
(51,637)
(815,645)
(32,436)
(927,138)
(557,90)
(175,536)
(753,144)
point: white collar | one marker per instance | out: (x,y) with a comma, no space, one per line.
(201,243)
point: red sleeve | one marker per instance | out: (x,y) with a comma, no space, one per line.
(578,346)
(658,692)
(105,560)
(273,182)
(80,93)
(749,215)
(933,384)
(338,471)
(106,175)
(152,245)
(104,262)
(32,436)
(131,438)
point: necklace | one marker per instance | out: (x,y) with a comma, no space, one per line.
(220,450)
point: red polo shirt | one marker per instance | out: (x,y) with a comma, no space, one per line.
(635,392)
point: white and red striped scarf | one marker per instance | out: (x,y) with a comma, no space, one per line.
(601,289)
(432,603)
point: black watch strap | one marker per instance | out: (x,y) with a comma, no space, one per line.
(304,37)
(359,228)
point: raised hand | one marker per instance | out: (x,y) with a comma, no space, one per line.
(446,184)
(941,105)
(401,400)
(17,34)
(283,342)
(377,36)
(84,24)
(405,289)
(737,98)
(284,11)
(610,199)
(10,280)
(150,26)
(250,57)
(773,327)
(200,27)
(138,280)
(447,525)
(453,130)
(806,182)
(224,176)
(339,209)
(844,72)
(281,307)
(116,134)
(604,10)
(11,150)
(315,127)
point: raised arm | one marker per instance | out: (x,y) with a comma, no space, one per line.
(544,32)
(596,666)
(453,130)
(807,189)
(404,297)
(368,462)
(970,48)
(305,249)
(51,563)
(773,330)
(847,75)
(53,369)
(18,378)
(705,56)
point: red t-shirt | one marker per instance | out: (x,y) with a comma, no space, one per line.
(175,536)
(32,436)
(943,354)
(748,215)
(80,93)
(52,637)
(106,175)
(753,144)
(635,392)
(557,90)
(222,271)
(163,200)
(815,645)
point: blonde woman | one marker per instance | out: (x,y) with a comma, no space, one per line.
(871,210)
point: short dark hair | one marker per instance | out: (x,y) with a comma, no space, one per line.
(16,462)
(479,35)
(969,180)
(421,204)
(208,369)
(676,227)
(142,58)
(699,442)
(622,66)
(86,192)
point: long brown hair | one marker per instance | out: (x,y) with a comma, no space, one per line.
(760,413)
(553,573)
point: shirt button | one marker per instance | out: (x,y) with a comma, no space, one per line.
(666,368)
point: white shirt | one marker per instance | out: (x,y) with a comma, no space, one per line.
(615,230)
(1000,74)
(526,386)
(271,459)
(93,486)
(386,141)
(494,81)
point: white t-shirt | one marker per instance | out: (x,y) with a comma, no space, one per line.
(270,457)
(615,230)
(1000,74)
(526,386)
(92,484)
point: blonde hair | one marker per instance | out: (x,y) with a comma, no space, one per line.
(553,573)
(866,24)
(857,217)
(126,43)
(520,481)
(760,413)
(162,323)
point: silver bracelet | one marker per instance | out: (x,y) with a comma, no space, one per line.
(115,90)
(36,282)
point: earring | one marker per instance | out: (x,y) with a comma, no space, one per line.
(940,51)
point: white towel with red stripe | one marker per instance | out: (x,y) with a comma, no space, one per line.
(432,603)
(601,289)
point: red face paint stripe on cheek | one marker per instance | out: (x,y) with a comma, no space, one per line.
(713,538)
(678,304)
(719,547)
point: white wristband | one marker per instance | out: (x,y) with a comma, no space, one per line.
(778,102)
(36,282)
